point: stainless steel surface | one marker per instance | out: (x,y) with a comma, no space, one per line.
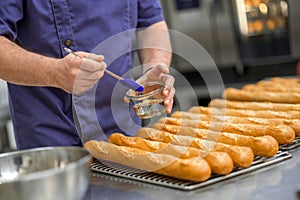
(214,24)
(149,177)
(225,37)
(298,192)
(44,173)
(4,132)
(261,17)
(4,114)
(278,182)
(211,26)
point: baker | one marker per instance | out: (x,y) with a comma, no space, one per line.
(42,77)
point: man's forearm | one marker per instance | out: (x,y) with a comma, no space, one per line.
(22,67)
(154,45)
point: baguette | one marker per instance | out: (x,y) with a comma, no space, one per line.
(220,162)
(286,81)
(222,103)
(193,169)
(293,123)
(263,96)
(245,113)
(265,146)
(271,86)
(282,133)
(241,156)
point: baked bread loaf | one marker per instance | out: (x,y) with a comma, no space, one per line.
(193,169)
(222,103)
(258,95)
(293,123)
(245,113)
(271,86)
(241,156)
(282,133)
(286,81)
(220,162)
(265,146)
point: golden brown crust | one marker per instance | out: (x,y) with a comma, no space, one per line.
(220,162)
(282,133)
(154,146)
(250,121)
(293,123)
(241,156)
(261,96)
(271,86)
(194,169)
(286,81)
(245,113)
(222,103)
(265,146)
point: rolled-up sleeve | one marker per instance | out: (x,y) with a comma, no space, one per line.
(149,12)
(11,12)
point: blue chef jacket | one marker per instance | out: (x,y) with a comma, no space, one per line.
(43,116)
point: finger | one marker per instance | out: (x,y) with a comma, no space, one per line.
(83,86)
(126,100)
(98,58)
(169,107)
(157,71)
(86,80)
(163,68)
(81,54)
(92,66)
(89,76)
(92,56)
(168,100)
(169,82)
(72,58)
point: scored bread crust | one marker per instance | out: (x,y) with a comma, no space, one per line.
(241,156)
(245,113)
(293,123)
(193,169)
(262,96)
(242,105)
(220,162)
(271,87)
(282,133)
(265,146)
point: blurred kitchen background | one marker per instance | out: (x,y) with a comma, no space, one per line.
(249,40)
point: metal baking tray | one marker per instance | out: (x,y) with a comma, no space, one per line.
(161,180)
(293,145)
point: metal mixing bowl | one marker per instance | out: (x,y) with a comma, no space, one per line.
(45,173)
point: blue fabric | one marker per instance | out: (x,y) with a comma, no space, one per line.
(43,116)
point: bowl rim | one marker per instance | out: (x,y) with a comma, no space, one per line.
(147,94)
(48,172)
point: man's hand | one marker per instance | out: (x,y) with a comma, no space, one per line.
(80,73)
(160,73)
(73,74)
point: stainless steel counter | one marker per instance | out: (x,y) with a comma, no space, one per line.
(278,182)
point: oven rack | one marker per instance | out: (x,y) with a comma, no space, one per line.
(293,145)
(122,171)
